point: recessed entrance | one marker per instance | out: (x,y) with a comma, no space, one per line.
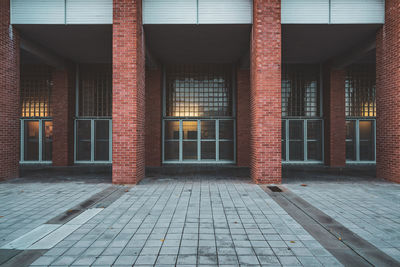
(199,122)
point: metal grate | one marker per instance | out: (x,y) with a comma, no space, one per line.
(95,90)
(300,91)
(199,91)
(360,91)
(36,85)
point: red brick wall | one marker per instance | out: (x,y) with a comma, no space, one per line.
(63,106)
(9,95)
(242,118)
(388,96)
(334,117)
(153,116)
(128,93)
(266,92)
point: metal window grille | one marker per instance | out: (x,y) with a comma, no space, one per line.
(300,91)
(360,91)
(36,86)
(199,91)
(95,90)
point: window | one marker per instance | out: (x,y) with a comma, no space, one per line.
(360,113)
(93,126)
(198,117)
(36,123)
(301,114)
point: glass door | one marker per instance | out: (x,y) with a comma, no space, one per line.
(36,140)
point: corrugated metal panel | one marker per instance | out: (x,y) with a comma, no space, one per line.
(358,11)
(225,11)
(37,12)
(305,11)
(89,11)
(169,11)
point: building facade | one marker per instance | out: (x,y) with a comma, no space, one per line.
(148,83)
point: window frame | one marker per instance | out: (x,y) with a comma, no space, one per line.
(357,139)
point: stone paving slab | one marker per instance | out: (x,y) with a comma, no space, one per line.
(25,206)
(369,209)
(204,222)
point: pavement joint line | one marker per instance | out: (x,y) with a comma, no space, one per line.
(367,252)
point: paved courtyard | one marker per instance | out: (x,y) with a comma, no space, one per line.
(189,222)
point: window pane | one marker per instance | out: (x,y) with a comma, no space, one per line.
(189,129)
(350,140)
(171,130)
(283,140)
(367,146)
(101,140)
(31,142)
(47,142)
(314,140)
(226,150)
(190,150)
(296,140)
(208,150)
(207,129)
(171,150)
(226,129)
(83,140)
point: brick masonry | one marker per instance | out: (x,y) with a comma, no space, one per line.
(334,117)
(9,95)
(63,106)
(266,92)
(388,96)
(153,117)
(128,93)
(242,118)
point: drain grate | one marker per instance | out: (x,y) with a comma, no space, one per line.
(274,188)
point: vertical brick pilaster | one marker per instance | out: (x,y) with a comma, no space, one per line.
(63,103)
(335,118)
(9,95)
(266,92)
(388,95)
(242,117)
(128,93)
(153,117)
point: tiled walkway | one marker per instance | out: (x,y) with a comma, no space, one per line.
(369,209)
(25,206)
(209,222)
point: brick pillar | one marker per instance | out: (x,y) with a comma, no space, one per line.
(153,117)
(9,95)
(265,96)
(388,95)
(242,117)
(128,93)
(334,117)
(63,107)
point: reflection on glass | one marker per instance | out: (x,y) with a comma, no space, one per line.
(314,140)
(83,140)
(208,150)
(350,140)
(171,130)
(31,142)
(190,150)
(47,140)
(296,140)
(367,146)
(207,129)
(101,140)
(283,133)
(171,150)
(226,129)
(226,150)
(189,129)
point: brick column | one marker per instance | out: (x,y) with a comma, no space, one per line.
(63,107)
(128,93)
(153,117)
(265,96)
(9,95)
(242,117)
(334,117)
(388,95)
